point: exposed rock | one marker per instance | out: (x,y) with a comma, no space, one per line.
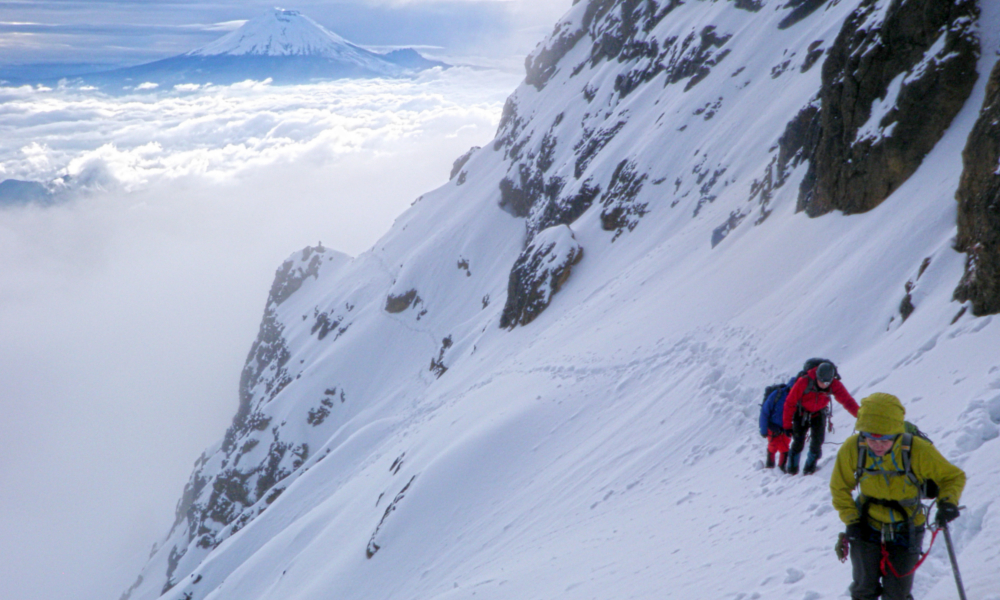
(691,57)
(319,414)
(330,321)
(813,54)
(796,145)
(540,65)
(592,143)
(437,364)
(720,232)
(225,490)
(621,211)
(518,196)
(906,307)
(456,167)
(292,274)
(892,82)
(565,209)
(540,271)
(374,547)
(397,304)
(800,10)
(509,129)
(749,5)
(978,198)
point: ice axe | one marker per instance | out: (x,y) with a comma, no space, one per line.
(954,561)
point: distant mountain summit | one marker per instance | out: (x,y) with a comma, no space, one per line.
(281,32)
(283,45)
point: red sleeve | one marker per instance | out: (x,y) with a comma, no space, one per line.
(792,401)
(844,397)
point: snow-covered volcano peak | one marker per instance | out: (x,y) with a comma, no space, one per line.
(279,32)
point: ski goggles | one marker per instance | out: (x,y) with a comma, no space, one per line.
(878,437)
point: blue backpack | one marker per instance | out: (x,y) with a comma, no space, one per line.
(773,407)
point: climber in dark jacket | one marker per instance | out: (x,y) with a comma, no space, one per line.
(771,424)
(806,411)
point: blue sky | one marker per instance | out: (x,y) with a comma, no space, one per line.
(132,32)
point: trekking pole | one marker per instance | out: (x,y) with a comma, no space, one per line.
(954,562)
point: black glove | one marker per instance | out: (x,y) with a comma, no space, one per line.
(789,433)
(946,512)
(843,548)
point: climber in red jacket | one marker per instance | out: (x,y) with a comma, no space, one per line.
(806,410)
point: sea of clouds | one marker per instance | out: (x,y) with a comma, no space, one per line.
(128,306)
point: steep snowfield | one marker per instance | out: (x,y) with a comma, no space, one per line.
(411,448)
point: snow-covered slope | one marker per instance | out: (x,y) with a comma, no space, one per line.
(543,381)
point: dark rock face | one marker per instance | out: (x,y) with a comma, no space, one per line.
(397,304)
(800,10)
(617,30)
(978,198)
(795,146)
(892,82)
(456,167)
(540,271)
(212,508)
(691,57)
(566,209)
(621,211)
(290,275)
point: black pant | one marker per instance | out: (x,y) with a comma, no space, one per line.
(869,583)
(814,422)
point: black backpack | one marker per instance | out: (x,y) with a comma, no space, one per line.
(811,387)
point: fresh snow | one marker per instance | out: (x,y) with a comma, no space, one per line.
(278,32)
(609,449)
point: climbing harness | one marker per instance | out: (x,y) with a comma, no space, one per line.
(886,562)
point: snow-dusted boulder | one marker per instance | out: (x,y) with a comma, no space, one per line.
(539,272)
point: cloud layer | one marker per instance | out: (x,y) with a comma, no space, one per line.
(128,309)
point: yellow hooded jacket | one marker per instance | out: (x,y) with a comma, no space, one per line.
(883,414)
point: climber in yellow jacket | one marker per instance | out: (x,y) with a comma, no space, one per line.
(888,514)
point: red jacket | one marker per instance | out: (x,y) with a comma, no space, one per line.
(816,399)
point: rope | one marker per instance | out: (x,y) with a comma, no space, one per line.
(885,559)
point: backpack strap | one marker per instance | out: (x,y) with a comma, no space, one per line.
(906,444)
(917,503)
(862,458)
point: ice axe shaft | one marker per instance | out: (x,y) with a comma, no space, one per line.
(954,563)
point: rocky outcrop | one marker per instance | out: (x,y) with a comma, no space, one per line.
(978,198)
(540,271)
(456,167)
(796,145)
(619,31)
(293,273)
(232,485)
(800,10)
(893,80)
(621,211)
